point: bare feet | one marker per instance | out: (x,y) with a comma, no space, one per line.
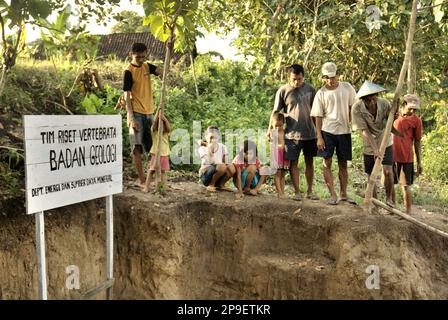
(224,188)
(282,196)
(138,183)
(146,189)
(253,192)
(239,196)
(211,189)
(312,196)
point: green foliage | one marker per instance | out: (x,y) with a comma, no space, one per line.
(435,142)
(14,98)
(129,22)
(232,97)
(102,102)
(17,13)
(11,170)
(313,32)
(182,17)
(60,39)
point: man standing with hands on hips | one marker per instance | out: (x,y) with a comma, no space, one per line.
(331,109)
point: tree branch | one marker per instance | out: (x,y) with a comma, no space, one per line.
(19,34)
(433,6)
(176,15)
(44,26)
(60,105)
(313,36)
(267,6)
(270,41)
(3,31)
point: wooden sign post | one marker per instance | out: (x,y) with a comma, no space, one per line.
(71,159)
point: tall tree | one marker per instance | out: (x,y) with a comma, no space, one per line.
(173,22)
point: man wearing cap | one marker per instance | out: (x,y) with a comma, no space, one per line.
(331,109)
(411,126)
(369,116)
(295,99)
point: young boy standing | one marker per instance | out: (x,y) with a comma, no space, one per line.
(138,95)
(411,127)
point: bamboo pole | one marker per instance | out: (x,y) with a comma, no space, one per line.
(377,168)
(166,67)
(409,218)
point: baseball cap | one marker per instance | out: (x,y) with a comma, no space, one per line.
(412,100)
(329,69)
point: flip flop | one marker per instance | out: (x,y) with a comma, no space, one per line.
(224,189)
(349,200)
(297,197)
(312,197)
(332,202)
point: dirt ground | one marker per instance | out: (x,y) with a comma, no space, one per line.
(190,244)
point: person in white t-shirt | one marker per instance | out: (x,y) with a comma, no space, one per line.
(213,156)
(332,111)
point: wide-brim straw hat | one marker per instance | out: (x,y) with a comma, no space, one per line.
(369,88)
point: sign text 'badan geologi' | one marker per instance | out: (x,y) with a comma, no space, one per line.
(70,159)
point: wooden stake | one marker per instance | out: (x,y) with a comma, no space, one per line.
(409,218)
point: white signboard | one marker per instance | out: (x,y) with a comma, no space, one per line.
(70,159)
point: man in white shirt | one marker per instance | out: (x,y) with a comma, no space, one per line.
(331,109)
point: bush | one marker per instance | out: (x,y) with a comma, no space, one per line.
(434,144)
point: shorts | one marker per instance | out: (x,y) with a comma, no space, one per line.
(164,163)
(143,136)
(369,160)
(293,148)
(341,142)
(207,176)
(254,182)
(279,159)
(404,173)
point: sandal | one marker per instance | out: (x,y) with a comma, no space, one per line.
(297,197)
(332,202)
(312,197)
(390,204)
(349,200)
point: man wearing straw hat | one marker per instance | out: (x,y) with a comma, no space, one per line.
(411,127)
(369,117)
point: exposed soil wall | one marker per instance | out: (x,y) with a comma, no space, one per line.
(188,245)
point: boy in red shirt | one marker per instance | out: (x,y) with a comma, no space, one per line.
(411,127)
